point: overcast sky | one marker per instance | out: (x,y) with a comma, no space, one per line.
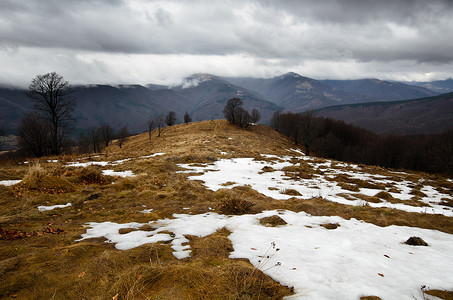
(138,41)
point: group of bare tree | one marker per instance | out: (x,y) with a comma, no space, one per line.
(97,138)
(160,121)
(337,140)
(236,114)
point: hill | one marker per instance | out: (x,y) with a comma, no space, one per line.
(209,210)
(382,90)
(418,116)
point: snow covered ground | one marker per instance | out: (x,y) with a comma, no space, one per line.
(353,260)
(229,173)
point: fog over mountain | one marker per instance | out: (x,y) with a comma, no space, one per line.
(162,42)
(204,96)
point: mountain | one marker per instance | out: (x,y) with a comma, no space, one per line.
(440,86)
(382,90)
(417,116)
(210,93)
(297,93)
(202,96)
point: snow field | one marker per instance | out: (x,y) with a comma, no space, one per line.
(248,171)
(353,260)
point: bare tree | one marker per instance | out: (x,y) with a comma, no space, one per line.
(106,134)
(230,109)
(275,121)
(151,126)
(160,122)
(187,118)
(123,134)
(242,117)
(170,119)
(93,134)
(54,105)
(33,135)
(256,116)
(309,130)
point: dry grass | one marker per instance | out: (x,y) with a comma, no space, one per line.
(272,221)
(445,295)
(54,266)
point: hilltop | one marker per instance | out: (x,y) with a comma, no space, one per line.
(209,210)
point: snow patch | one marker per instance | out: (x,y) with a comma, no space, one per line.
(46,208)
(9,182)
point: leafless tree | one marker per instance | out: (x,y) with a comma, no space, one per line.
(309,130)
(93,134)
(123,134)
(33,135)
(170,119)
(54,105)
(187,118)
(160,122)
(242,117)
(151,126)
(106,134)
(230,109)
(256,116)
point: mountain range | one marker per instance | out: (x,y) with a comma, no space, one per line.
(203,96)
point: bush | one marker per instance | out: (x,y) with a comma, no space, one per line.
(232,205)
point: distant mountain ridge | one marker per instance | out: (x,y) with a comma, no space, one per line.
(203,96)
(417,116)
(381,90)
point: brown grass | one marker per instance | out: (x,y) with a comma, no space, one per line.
(272,221)
(54,266)
(445,295)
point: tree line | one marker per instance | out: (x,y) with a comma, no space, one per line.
(338,140)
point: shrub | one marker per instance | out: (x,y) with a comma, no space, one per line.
(232,205)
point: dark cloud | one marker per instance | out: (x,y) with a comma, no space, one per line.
(273,32)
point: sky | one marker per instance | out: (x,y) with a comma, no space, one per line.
(161,42)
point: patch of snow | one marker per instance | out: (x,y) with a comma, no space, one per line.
(353,260)
(147,211)
(248,171)
(119,173)
(46,208)
(152,155)
(9,182)
(86,164)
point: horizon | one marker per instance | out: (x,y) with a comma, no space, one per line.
(181,82)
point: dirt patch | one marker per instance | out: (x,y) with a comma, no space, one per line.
(416,241)
(330,226)
(291,192)
(446,295)
(370,298)
(267,169)
(272,221)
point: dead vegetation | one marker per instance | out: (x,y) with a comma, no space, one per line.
(52,265)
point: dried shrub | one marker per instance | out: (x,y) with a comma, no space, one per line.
(90,175)
(370,298)
(35,173)
(416,241)
(272,221)
(384,195)
(290,192)
(330,226)
(232,205)
(267,169)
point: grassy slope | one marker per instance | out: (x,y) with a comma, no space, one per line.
(54,266)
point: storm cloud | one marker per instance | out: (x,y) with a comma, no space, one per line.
(140,41)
